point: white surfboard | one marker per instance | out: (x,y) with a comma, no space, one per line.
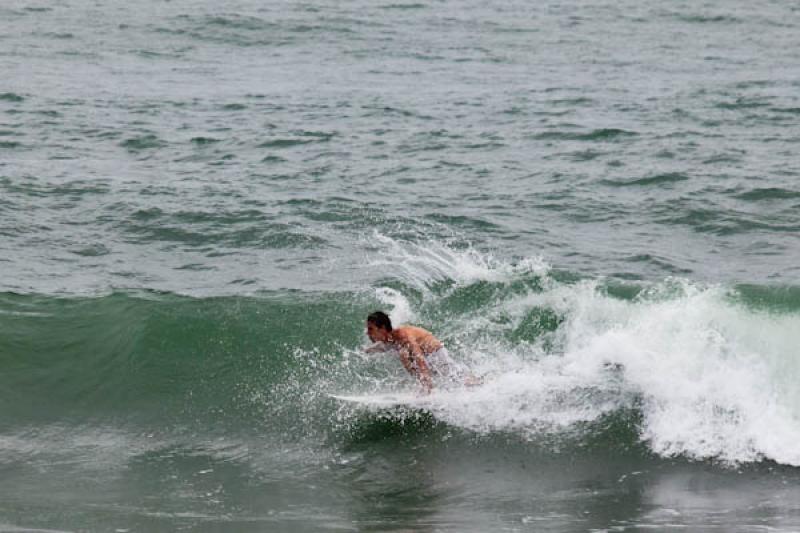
(387,400)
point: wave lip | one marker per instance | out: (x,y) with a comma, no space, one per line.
(422,264)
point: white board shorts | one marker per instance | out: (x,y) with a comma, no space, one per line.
(442,365)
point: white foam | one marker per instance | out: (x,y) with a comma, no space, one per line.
(400,312)
(712,378)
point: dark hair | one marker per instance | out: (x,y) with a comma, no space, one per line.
(380,319)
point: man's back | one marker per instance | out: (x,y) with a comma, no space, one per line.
(412,335)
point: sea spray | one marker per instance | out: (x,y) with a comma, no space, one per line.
(421,264)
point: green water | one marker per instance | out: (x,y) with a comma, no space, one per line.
(594,205)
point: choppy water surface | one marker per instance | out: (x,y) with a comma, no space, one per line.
(595,205)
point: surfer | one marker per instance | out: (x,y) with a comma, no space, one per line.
(423,355)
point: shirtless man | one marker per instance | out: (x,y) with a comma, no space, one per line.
(422,354)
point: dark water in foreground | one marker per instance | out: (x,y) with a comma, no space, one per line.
(595,206)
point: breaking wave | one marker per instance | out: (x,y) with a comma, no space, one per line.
(698,371)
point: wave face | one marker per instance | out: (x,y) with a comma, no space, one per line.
(674,368)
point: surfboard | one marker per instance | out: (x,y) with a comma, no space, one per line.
(385,400)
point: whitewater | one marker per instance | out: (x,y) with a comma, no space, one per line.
(711,374)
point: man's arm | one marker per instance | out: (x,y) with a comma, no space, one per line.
(376,347)
(423,373)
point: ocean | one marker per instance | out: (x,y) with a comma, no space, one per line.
(594,205)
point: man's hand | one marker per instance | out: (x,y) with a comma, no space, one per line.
(375,348)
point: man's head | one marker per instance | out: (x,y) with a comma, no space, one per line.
(379,327)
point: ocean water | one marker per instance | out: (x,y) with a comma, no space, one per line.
(595,205)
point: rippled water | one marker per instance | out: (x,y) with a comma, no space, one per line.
(207,147)
(596,204)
